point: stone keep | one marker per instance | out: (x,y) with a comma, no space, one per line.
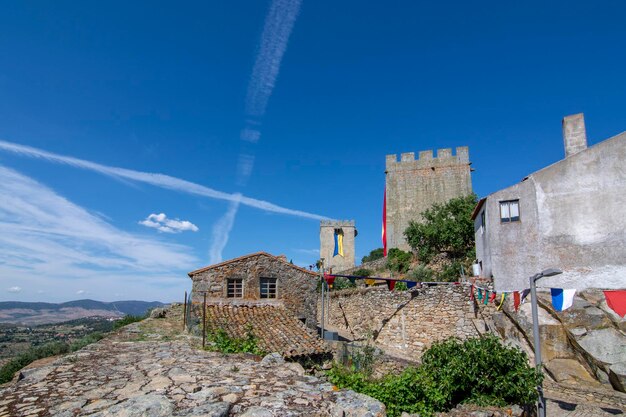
(338,263)
(414,185)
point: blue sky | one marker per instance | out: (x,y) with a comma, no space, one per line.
(288,102)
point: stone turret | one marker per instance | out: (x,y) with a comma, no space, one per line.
(328,229)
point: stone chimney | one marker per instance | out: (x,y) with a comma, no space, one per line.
(574,134)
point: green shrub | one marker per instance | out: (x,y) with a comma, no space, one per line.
(363,272)
(374,255)
(400,286)
(126,320)
(450,272)
(86,340)
(399,260)
(480,370)
(31,355)
(222,342)
(421,273)
(342,283)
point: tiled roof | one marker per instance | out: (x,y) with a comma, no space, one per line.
(206,268)
(276,329)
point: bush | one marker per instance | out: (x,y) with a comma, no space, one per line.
(399,260)
(363,272)
(126,320)
(86,340)
(342,283)
(480,371)
(421,273)
(374,255)
(31,355)
(223,342)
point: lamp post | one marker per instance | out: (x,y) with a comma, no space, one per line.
(323,285)
(541,406)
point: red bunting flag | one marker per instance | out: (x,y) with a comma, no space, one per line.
(472,292)
(391,284)
(330,279)
(492,296)
(516,300)
(617,301)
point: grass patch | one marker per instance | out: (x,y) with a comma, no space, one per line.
(220,341)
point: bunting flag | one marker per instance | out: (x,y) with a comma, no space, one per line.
(562,299)
(410,284)
(472,292)
(391,284)
(330,279)
(617,301)
(384,233)
(524,295)
(480,295)
(338,243)
(486,298)
(501,301)
(492,297)
(516,300)
(370,282)
(352,280)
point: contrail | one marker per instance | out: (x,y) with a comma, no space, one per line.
(221,232)
(278,26)
(158,180)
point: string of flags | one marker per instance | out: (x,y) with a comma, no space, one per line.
(562,298)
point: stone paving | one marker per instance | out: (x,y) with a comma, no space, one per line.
(153,369)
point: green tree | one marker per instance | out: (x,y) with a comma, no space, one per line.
(447,228)
(399,260)
(374,255)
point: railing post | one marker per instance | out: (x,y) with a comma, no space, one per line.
(185,312)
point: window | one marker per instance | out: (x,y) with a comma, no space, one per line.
(268,287)
(483,224)
(235,288)
(509,211)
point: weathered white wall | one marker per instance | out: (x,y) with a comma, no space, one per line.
(573,217)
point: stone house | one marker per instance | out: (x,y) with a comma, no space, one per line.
(569,215)
(259,279)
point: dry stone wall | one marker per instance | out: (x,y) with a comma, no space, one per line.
(407,322)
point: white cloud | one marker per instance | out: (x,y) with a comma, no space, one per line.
(14,289)
(163,224)
(46,240)
(158,180)
(80,292)
(315,252)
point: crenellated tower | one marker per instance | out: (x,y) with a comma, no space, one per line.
(414,185)
(330,232)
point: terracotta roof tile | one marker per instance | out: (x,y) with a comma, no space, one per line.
(206,268)
(276,329)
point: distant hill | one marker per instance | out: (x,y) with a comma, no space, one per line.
(41,313)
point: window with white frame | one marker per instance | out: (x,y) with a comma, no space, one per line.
(509,211)
(234,288)
(268,287)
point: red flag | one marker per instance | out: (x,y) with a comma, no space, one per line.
(330,279)
(516,300)
(492,296)
(617,301)
(384,234)
(391,284)
(472,292)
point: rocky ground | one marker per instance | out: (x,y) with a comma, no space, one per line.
(152,368)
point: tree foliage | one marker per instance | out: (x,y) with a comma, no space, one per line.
(447,228)
(399,260)
(374,255)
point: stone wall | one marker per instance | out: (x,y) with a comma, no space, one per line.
(296,287)
(414,185)
(338,263)
(407,322)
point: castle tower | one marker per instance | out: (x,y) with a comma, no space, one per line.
(413,186)
(337,230)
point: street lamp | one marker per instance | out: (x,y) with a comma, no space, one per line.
(541,407)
